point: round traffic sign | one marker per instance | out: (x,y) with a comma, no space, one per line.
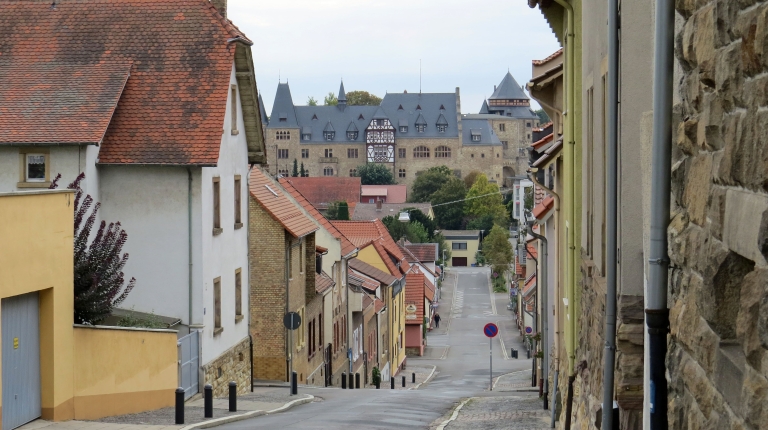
(292,320)
(491,330)
(528,330)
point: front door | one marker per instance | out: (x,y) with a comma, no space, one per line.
(459,261)
(21,360)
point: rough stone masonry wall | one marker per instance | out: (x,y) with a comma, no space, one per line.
(717,363)
(233,365)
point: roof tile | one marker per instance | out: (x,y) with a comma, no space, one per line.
(321,191)
(273,198)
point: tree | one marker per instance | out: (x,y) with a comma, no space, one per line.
(484,222)
(331,100)
(343,211)
(311,101)
(484,199)
(528,199)
(413,231)
(362,98)
(303,173)
(295,172)
(428,223)
(543,117)
(429,182)
(497,249)
(469,180)
(375,174)
(98,268)
(443,251)
(449,216)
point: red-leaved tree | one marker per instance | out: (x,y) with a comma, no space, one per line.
(99,280)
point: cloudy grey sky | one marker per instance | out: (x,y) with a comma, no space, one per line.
(376,45)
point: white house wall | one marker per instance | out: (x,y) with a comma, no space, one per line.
(67,160)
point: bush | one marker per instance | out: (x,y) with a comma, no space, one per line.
(376,376)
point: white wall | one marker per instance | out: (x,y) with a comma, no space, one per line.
(67,160)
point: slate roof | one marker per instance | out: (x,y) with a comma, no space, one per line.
(274,200)
(323,282)
(172,108)
(346,246)
(508,89)
(283,113)
(263,112)
(483,128)
(368,270)
(368,211)
(321,191)
(424,252)
(430,104)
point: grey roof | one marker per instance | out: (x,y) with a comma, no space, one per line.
(283,112)
(509,89)
(340,119)
(430,104)
(342,94)
(329,127)
(471,234)
(352,126)
(441,120)
(516,112)
(478,127)
(368,211)
(263,112)
(484,107)
(380,113)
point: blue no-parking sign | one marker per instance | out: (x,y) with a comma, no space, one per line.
(491,330)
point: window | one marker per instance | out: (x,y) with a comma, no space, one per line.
(289,263)
(352,173)
(329,135)
(311,334)
(442,152)
(475,138)
(233,100)
(528,124)
(351,152)
(441,128)
(502,127)
(401,173)
(282,135)
(301,337)
(421,127)
(306,136)
(328,152)
(472,156)
(238,295)
(459,245)
(482,155)
(283,172)
(505,144)
(403,129)
(400,152)
(305,153)
(421,152)
(216,207)
(217,306)
(35,167)
(238,205)
(352,135)
(521,152)
(328,171)
(529,136)
(282,154)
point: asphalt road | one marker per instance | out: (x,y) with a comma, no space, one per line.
(458,349)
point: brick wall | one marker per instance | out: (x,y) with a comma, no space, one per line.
(232,365)
(717,362)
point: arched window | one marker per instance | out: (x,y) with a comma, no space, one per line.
(442,152)
(328,171)
(421,152)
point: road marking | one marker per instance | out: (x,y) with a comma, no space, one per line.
(454,415)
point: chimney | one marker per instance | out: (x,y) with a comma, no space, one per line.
(494,87)
(221,6)
(378,204)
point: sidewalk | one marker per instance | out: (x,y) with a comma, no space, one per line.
(480,413)
(261,402)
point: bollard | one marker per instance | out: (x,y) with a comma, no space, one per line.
(344,381)
(392,382)
(179,405)
(357,380)
(403,381)
(514,353)
(208,394)
(413,377)
(529,353)
(294,384)
(378,383)
(232,396)
(351,381)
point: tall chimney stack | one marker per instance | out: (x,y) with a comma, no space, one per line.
(221,6)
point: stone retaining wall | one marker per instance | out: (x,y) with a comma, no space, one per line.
(233,365)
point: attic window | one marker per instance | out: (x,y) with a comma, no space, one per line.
(420,128)
(403,129)
(442,107)
(441,128)
(360,117)
(418,107)
(306,136)
(400,107)
(283,117)
(475,138)
(314,117)
(329,135)
(351,135)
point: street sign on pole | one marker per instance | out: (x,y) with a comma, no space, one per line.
(491,330)
(528,330)
(292,321)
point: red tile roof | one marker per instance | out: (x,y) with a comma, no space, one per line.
(425,252)
(414,294)
(394,193)
(172,107)
(429,290)
(542,208)
(323,282)
(541,142)
(549,58)
(550,154)
(363,233)
(346,246)
(321,191)
(529,285)
(363,280)
(532,251)
(379,305)
(274,200)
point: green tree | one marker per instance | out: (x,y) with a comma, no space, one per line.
(528,199)
(375,174)
(295,172)
(443,251)
(331,100)
(332,212)
(469,180)
(343,211)
(484,222)
(428,223)
(484,199)
(543,117)
(311,101)
(497,249)
(429,182)
(449,216)
(413,231)
(303,173)
(362,98)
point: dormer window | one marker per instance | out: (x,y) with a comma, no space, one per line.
(283,117)
(307,136)
(314,117)
(475,138)
(441,128)
(420,128)
(329,135)
(403,129)
(351,135)
(306,133)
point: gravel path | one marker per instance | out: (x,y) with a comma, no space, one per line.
(515,413)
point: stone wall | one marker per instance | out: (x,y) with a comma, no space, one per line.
(233,365)
(717,363)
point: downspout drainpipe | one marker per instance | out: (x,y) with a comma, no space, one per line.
(189,245)
(609,354)
(544,317)
(570,176)
(531,175)
(289,333)
(248,240)
(657,313)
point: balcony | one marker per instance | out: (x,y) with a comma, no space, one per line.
(329,159)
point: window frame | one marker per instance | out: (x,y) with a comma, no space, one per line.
(239,295)
(326,170)
(457,246)
(283,153)
(24,180)
(233,108)
(328,152)
(443,151)
(216,194)
(353,153)
(304,153)
(401,173)
(401,152)
(217,327)
(238,202)
(421,151)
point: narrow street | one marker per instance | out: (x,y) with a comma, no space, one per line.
(460,352)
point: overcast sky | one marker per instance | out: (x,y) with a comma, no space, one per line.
(376,45)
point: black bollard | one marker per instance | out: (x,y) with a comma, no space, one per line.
(179,405)
(413,377)
(344,381)
(529,353)
(351,381)
(392,382)
(232,396)
(208,393)
(403,381)
(294,384)
(378,384)
(357,380)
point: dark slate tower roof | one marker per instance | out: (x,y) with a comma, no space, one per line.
(509,89)
(283,112)
(484,108)
(263,112)
(342,97)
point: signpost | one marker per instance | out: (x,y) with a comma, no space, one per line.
(291,321)
(491,330)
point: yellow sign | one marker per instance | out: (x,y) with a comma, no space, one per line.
(15,343)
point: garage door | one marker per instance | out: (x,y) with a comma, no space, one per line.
(21,360)
(459,261)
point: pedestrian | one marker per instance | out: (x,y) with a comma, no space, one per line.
(437,320)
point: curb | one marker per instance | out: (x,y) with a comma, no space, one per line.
(431,374)
(454,415)
(247,415)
